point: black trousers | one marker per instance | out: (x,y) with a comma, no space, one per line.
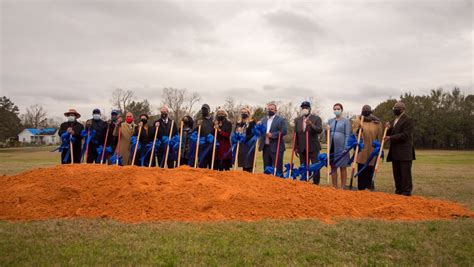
(269,159)
(222,165)
(160,160)
(402,176)
(92,154)
(313,158)
(206,161)
(76,154)
(184,161)
(364,180)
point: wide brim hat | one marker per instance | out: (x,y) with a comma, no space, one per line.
(72,111)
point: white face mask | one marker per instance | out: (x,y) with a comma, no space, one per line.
(71,118)
(96,116)
(304,112)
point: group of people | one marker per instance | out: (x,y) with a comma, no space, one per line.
(215,143)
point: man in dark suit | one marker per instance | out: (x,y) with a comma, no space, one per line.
(310,124)
(275,126)
(164,129)
(207,127)
(402,150)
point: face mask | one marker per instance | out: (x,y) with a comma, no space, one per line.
(397,111)
(71,118)
(270,113)
(96,117)
(244,115)
(164,115)
(205,112)
(129,120)
(144,120)
(366,113)
(114,119)
(304,112)
(220,118)
(337,112)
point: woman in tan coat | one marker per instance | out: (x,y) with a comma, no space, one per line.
(126,131)
(371,130)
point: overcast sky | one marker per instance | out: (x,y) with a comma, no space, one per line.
(63,54)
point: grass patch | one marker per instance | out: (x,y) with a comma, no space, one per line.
(440,174)
(86,242)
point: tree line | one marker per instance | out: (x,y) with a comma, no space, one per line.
(445,120)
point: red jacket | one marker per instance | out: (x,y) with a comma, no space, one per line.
(223,137)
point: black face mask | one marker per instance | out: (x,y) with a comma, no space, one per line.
(366,113)
(144,120)
(204,112)
(220,118)
(270,113)
(397,111)
(164,115)
(244,115)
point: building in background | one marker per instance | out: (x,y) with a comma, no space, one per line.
(41,136)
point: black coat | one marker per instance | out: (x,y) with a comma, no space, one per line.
(77,128)
(100,128)
(207,126)
(245,155)
(146,136)
(313,134)
(401,139)
(164,129)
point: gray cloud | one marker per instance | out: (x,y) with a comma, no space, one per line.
(74,53)
(300,31)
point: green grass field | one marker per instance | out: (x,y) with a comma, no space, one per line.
(440,174)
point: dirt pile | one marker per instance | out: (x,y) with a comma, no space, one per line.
(133,194)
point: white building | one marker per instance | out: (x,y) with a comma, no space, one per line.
(42,136)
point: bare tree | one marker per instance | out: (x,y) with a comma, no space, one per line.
(35,117)
(179,101)
(287,111)
(233,109)
(121,99)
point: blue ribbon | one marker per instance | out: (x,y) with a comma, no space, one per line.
(235,139)
(270,170)
(113,159)
(133,142)
(148,149)
(108,151)
(174,142)
(258,131)
(351,144)
(205,143)
(66,140)
(376,145)
(302,170)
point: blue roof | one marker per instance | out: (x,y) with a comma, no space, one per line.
(43,131)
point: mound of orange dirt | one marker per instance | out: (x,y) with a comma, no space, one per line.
(133,194)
